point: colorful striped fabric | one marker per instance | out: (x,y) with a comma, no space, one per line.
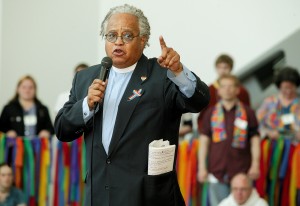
(218,125)
(2,147)
(187,166)
(32,161)
(279,182)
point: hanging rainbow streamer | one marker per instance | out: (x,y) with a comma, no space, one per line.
(279,182)
(32,159)
(28,172)
(2,148)
(32,165)
(187,166)
(45,165)
(19,162)
(182,167)
(295,178)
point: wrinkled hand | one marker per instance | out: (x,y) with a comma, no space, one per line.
(44,134)
(273,134)
(11,134)
(202,175)
(297,136)
(96,92)
(253,172)
(169,58)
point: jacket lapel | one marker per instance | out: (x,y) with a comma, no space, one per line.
(129,101)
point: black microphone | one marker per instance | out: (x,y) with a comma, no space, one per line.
(106,64)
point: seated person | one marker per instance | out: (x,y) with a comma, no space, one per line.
(186,125)
(9,195)
(242,193)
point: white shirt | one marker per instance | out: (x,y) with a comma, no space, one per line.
(254,200)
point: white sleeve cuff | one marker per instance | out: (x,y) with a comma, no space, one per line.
(186,81)
(87,114)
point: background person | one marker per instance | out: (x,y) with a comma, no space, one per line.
(9,195)
(229,141)
(243,193)
(224,66)
(279,114)
(25,115)
(63,97)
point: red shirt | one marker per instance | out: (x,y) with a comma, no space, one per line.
(214,98)
(225,161)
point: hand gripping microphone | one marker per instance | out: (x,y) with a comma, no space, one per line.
(106,64)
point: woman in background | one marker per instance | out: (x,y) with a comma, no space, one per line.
(25,115)
(279,115)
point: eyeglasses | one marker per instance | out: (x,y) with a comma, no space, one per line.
(126,37)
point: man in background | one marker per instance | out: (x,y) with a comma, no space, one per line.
(9,195)
(224,66)
(243,193)
(64,97)
(229,141)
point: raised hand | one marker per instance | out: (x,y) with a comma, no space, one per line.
(169,58)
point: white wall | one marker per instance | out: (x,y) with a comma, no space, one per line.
(1,12)
(47,38)
(200,30)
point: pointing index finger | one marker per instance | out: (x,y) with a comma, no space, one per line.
(162,42)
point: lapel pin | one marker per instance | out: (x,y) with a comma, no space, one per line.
(143,78)
(135,93)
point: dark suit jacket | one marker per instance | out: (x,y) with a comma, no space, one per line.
(120,178)
(12,118)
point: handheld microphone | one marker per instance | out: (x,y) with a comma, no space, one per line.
(106,64)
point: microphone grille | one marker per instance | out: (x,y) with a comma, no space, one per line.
(106,62)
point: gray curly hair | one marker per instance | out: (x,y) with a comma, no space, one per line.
(144,25)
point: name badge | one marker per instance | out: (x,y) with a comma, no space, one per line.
(30,120)
(240,123)
(288,119)
(212,179)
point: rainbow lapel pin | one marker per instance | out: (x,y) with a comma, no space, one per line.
(135,93)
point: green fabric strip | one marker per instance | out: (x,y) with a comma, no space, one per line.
(276,159)
(30,162)
(2,147)
(204,193)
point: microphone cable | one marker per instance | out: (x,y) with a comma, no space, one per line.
(92,151)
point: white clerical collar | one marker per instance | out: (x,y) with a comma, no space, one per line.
(124,70)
